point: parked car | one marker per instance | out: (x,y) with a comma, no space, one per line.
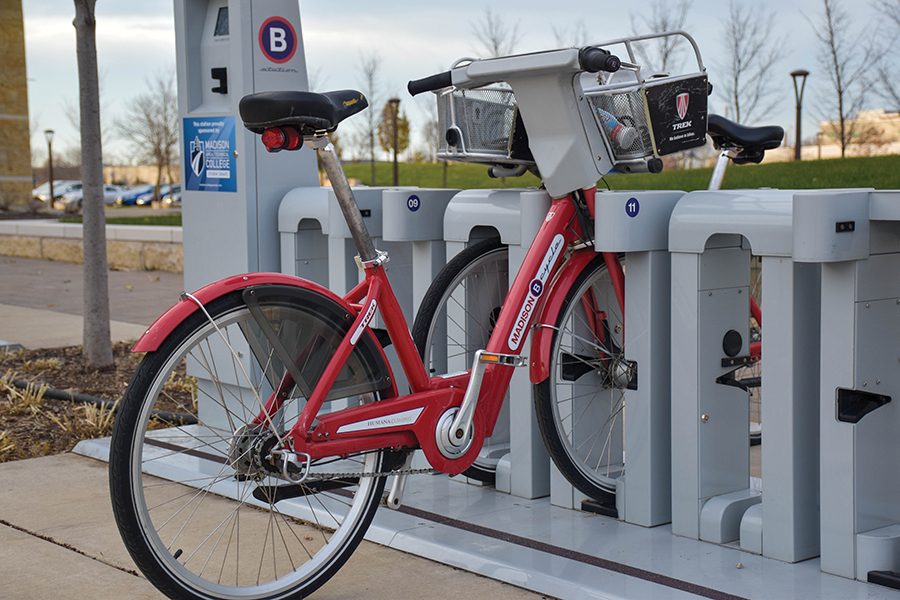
(129,196)
(71,201)
(60,187)
(173,198)
(146,199)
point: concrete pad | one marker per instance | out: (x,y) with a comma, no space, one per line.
(35,569)
(35,328)
(134,296)
(65,497)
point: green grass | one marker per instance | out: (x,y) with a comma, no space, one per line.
(431,175)
(881,172)
(167,220)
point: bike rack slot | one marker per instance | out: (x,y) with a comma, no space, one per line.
(860,496)
(636,224)
(523,466)
(713,498)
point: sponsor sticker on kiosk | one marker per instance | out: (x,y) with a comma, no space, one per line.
(209,154)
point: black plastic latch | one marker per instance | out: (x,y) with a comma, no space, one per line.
(885,578)
(852,405)
(737,361)
(845,227)
(220,74)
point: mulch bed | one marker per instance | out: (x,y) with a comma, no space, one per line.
(9,215)
(32,425)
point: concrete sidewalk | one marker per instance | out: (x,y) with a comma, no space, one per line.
(41,301)
(58,539)
(57,535)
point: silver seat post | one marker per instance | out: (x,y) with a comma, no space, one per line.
(340,185)
(718,174)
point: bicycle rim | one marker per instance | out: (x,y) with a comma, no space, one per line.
(465,316)
(588,378)
(200,520)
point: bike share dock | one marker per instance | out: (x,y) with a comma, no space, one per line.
(830,282)
(575,554)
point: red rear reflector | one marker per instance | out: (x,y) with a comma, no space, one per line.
(273,139)
(294,139)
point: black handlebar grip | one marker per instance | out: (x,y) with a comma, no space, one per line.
(430,84)
(593,59)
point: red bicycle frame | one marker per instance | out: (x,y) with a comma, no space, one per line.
(409,421)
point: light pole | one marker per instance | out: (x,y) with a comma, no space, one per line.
(800,74)
(48,135)
(395,110)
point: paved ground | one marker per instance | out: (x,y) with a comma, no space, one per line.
(57,533)
(41,301)
(56,528)
(134,296)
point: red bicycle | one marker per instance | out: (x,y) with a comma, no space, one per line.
(253,446)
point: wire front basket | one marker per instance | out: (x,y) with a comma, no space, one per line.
(480,125)
(639,116)
(643,116)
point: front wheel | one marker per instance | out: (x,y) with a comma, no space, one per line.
(457,318)
(581,406)
(197,490)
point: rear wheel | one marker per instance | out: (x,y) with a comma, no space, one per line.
(197,491)
(456,319)
(581,406)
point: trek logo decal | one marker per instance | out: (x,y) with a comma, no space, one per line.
(407,417)
(535,289)
(370,312)
(681,103)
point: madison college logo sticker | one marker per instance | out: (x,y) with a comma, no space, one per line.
(681,104)
(197,156)
(277,39)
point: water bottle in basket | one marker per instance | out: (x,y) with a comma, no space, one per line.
(620,134)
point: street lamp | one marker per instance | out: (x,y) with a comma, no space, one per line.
(800,74)
(48,135)
(395,111)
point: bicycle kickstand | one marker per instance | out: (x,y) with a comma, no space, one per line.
(395,496)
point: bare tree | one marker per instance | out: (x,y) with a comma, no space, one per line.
(97,343)
(71,112)
(316,78)
(370,76)
(750,53)
(495,35)
(431,131)
(886,85)
(844,59)
(575,35)
(151,126)
(663,15)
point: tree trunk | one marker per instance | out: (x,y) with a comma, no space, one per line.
(158,189)
(97,344)
(372,154)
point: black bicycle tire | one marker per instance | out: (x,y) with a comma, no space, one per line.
(543,408)
(429,306)
(120,485)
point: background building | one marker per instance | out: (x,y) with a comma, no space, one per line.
(15,147)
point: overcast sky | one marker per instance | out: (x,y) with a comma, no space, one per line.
(413,38)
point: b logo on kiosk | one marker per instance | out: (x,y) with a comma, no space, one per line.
(277,39)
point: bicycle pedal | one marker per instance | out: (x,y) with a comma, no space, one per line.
(511,360)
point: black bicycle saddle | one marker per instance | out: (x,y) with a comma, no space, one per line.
(309,112)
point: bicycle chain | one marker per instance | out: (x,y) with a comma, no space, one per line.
(327,476)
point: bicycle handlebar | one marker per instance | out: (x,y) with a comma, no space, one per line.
(430,84)
(593,59)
